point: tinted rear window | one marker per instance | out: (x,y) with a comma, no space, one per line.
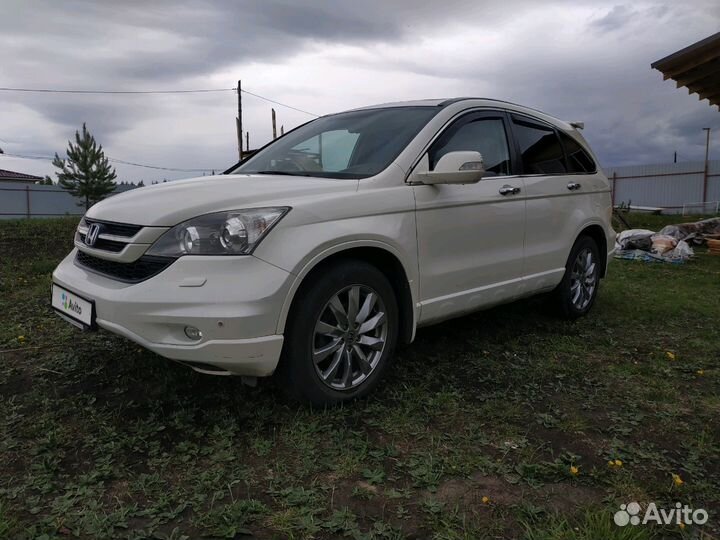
(578,160)
(540,148)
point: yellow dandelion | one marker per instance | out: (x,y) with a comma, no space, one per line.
(618,463)
(700,372)
(574,470)
(21,338)
(670,355)
(677,480)
(485,499)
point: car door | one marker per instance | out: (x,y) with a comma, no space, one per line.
(470,237)
(556,199)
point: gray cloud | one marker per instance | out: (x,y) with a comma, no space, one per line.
(616,18)
(148,45)
(631,115)
(577,60)
(146,42)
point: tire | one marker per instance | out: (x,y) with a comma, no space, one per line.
(574,297)
(319,345)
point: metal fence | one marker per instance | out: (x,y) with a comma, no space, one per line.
(19,200)
(674,187)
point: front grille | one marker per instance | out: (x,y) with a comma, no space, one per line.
(106,245)
(144,268)
(116,229)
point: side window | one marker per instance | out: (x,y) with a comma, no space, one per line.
(484,135)
(578,160)
(540,148)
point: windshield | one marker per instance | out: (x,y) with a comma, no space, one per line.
(354,144)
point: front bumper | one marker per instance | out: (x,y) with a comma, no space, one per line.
(234,301)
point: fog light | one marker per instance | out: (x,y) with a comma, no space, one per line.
(193,333)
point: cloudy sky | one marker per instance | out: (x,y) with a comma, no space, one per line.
(577,60)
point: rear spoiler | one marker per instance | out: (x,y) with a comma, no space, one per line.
(578,125)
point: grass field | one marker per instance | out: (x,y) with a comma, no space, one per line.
(499,424)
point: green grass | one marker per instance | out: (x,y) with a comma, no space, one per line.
(655,222)
(99,438)
(593,525)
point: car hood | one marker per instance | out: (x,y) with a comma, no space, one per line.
(167,204)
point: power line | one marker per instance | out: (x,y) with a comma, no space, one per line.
(195,91)
(278,103)
(58,91)
(27,157)
(115,160)
(116,92)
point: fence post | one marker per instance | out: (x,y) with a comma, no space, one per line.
(705,171)
(614,188)
(27,201)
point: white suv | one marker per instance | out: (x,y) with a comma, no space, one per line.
(319,254)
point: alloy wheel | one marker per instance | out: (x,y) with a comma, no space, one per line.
(583,279)
(349,337)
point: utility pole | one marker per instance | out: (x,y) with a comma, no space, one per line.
(707,155)
(247,141)
(273,125)
(675,157)
(238,121)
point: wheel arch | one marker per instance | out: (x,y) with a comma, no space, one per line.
(597,233)
(380,255)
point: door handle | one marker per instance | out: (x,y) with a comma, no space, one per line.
(509,190)
(572,186)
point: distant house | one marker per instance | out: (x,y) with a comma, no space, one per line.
(12,176)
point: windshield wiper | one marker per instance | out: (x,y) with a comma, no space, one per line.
(283,173)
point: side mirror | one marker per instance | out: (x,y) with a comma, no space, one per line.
(464,167)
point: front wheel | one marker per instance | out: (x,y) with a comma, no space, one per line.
(577,291)
(340,335)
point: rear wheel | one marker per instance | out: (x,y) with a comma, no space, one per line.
(577,291)
(340,335)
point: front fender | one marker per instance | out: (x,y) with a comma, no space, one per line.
(318,257)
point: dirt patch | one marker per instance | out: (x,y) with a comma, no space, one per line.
(468,493)
(378,507)
(590,448)
(17,380)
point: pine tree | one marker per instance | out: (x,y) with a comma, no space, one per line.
(86,173)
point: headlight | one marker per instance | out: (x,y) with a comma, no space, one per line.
(236,232)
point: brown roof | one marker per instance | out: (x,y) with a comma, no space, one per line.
(12,176)
(696,67)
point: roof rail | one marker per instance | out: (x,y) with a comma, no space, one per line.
(455,100)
